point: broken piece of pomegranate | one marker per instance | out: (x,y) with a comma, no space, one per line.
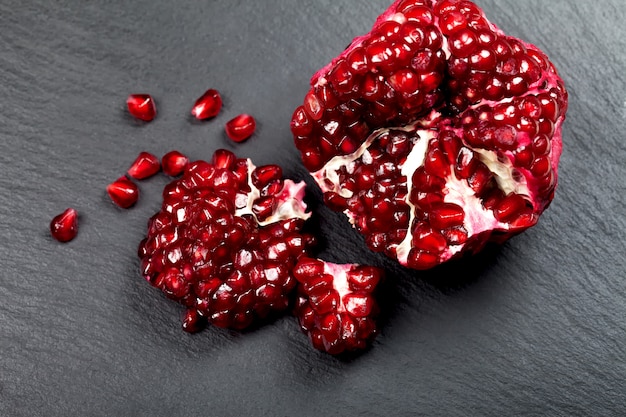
(64,226)
(336,305)
(141,106)
(225,241)
(435,132)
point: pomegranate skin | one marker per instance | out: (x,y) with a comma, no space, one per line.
(435,132)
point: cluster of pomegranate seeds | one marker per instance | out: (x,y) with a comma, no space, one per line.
(64,226)
(225,241)
(336,305)
(141,106)
(241,127)
(435,132)
(123,192)
(145,166)
(208,105)
(174,163)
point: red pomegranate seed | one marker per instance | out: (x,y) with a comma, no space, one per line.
(174,163)
(123,192)
(141,106)
(241,127)
(146,165)
(208,105)
(64,226)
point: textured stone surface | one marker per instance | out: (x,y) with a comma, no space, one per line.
(536,327)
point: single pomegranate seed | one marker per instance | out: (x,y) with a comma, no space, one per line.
(64,226)
(123,192)
(208,105)
(174,163)
(241,127)
(141,106)
(146,165)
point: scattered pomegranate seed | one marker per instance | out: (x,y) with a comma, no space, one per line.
(141,106)
(64,226)
(123,192)
(146,165)
(241,127)
(208,105)
(174,163)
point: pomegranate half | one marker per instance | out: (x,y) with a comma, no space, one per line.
(435,132)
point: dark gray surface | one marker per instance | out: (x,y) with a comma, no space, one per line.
(537,327)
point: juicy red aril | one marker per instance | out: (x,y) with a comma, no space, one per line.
(123,192)
(146,165)
(174,163)
(64,226)
(208,105)
(336,306)
(241,127)
(434,133)
(141,106)
(225,241)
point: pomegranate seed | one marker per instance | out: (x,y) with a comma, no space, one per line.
(447,215)
(141,106)
(64,226)
(174,163)
(123,192)
(241,127)
(208,105)
(510,207)
(146,165)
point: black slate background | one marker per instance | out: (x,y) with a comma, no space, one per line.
(536,327)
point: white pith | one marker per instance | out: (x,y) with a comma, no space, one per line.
(340,281)
(290,201)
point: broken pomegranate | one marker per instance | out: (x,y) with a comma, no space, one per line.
(225,241)
(64,226)
(174,163)
(123,192)
(145,166)
(435,132)
(141,106)
(208,105)
(241,127)
(336,305)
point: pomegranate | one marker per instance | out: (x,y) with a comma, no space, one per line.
(225,241)
(64,226)
(141,106)
(208,105)
(174,163)
(240,128)
(435,132)
(145,166)
(123,192)
(335,305)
